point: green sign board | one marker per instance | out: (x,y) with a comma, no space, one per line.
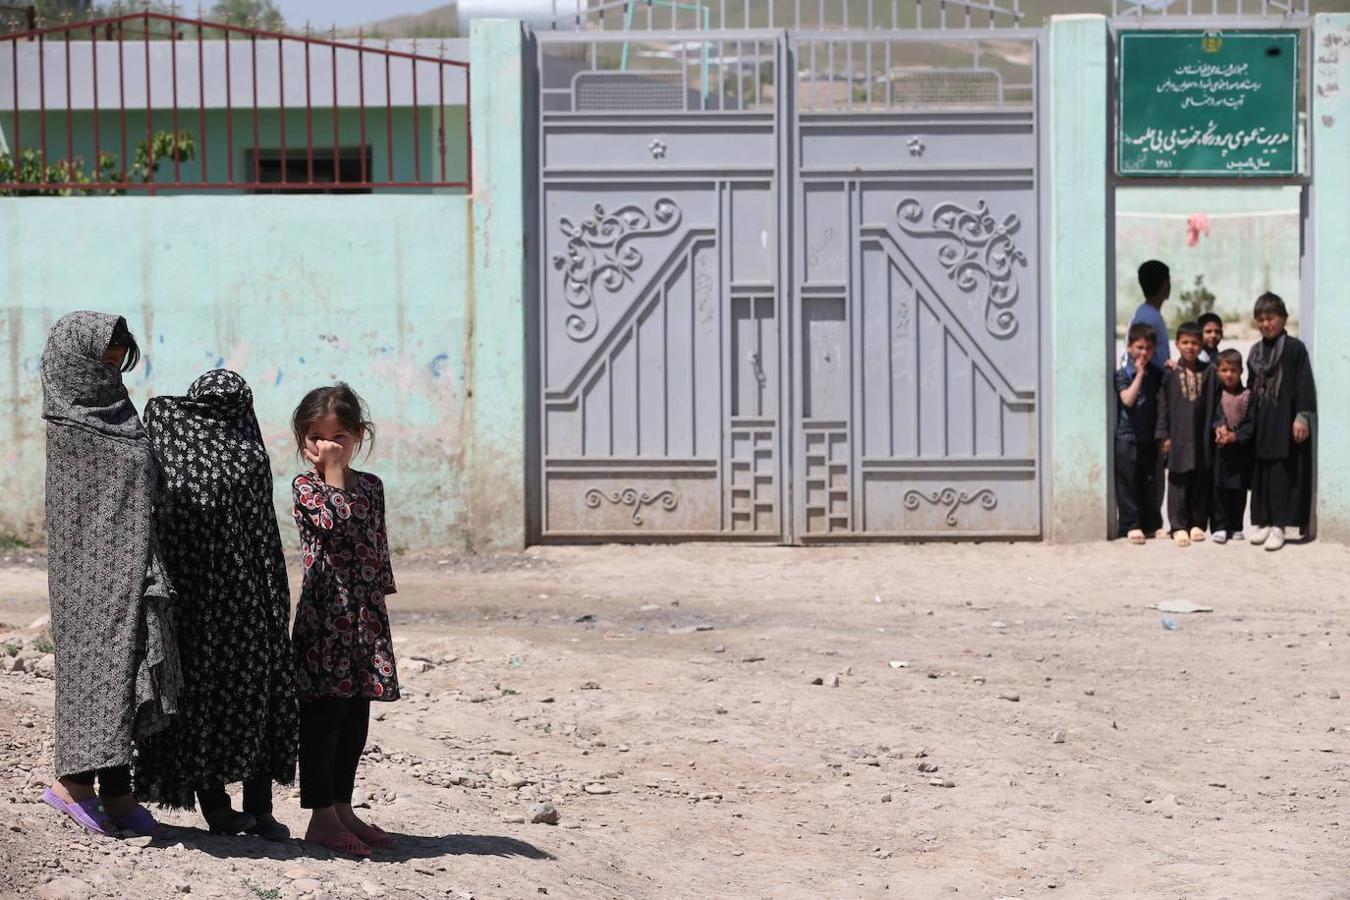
(1207,103)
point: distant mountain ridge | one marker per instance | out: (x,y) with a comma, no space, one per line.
(440,22)
(443,21)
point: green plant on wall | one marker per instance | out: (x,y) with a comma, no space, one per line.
(161,147)
(29,168)
(1195,301)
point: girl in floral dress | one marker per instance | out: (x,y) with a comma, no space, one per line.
(344,653)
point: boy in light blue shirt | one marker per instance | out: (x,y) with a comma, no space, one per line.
(1155,280)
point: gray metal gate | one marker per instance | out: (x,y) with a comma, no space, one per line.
(789,280)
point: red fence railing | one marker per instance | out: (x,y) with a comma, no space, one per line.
(148,102)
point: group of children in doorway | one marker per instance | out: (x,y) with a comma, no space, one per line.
(176,672)
(1193,423)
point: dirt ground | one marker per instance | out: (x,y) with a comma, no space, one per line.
(1008,721)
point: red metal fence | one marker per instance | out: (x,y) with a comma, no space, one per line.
(148,101)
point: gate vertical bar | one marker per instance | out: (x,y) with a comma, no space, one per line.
(785,183)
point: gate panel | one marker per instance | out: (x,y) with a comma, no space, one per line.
(918,273)
(659,312)
(890,389)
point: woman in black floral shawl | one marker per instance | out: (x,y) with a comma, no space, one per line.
(218,528)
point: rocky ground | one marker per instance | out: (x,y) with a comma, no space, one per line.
(989,721)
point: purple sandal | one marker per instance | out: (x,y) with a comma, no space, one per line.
(88,814)
(141,822)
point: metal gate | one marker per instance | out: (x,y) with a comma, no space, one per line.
(789,284)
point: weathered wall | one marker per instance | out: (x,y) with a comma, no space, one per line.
(1252,245)
(292,292)
(1076,458)
(416,299)
(1331,268)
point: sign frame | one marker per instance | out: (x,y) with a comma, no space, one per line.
(1295,166)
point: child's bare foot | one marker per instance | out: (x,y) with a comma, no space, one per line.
(371,834)
(327,830)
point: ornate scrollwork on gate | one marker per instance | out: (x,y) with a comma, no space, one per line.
(599,252)
(634,498)
(979,249)
(952,499)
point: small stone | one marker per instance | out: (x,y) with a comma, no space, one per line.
(885,798)
(1057,737)
(1334,694)
(371,890)
(140,842)
(597,789)
(306,885)
(11,664)
(514,820)
(297,873)
(1090,692)
(509,777)
(752,659)
(817,680)
(480,697)
(1169,806)
(1010,697)
(544,813)
(590,685)
(998,624)
(720,648)
(65,888)
(928,767)
(378,716)
(45,667)
(942,783)
(832,681)
(359,800)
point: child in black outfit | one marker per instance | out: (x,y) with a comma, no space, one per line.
(1281,381)
(1184,407)
(1234,418)
(1211,336)
(1137,384)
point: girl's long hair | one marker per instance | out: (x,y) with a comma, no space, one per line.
(341,401)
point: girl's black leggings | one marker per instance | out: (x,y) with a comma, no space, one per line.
(332,736)
(114,781)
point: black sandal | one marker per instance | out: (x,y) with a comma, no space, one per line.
(227,821)
(269,829)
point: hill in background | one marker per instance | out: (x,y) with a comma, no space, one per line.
(442,21)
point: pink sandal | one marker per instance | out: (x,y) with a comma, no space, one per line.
(378,838)
(88,814)
(346,842)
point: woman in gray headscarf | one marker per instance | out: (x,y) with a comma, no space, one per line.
(117,672)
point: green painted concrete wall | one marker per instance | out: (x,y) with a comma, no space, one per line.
(498,359)
(292,292)
(416,299)
(1076,458)
(1331,267)
(214,140)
